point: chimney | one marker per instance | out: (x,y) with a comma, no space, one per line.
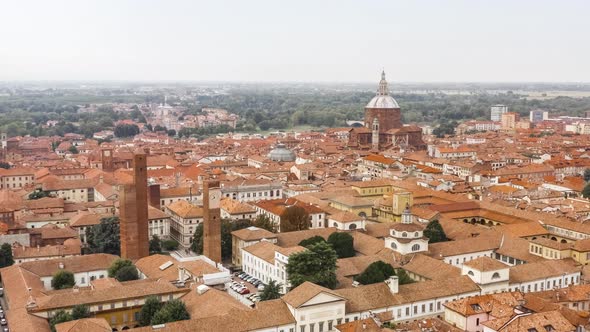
(61,265)
(364,325)
(154,196)
(100,179)
(393,283)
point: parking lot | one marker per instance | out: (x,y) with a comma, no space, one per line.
(247,286)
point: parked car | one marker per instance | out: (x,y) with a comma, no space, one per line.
(3,322)
(244,291)
(2,315)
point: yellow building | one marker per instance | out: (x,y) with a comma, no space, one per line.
(390,208)
(117,302)
(373,188)
(550,249)
(358,205)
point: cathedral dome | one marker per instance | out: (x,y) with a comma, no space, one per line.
(382,99)
(281,153)
(382,102)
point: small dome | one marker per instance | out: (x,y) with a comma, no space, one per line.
(281,153)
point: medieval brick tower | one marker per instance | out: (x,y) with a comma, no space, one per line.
(212,220)
(133,211)
(107,159)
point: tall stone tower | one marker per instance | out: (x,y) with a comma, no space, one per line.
(133,212)
(106,158)
(375,138)
(212,220)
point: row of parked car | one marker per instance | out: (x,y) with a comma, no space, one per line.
(3,321)
(240,288)
(248,278)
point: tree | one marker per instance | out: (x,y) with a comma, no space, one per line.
(586,191)
(127,273)
(63,279)
(376,272)
(170,245)
(312,240)
(104,237)
(155,245)
(126,130)
(6,258)
(118,264)
(171,132)
(587,175)
(434,232)
(172,311)
(264,222)
(60,316)
(73,149)
(80,311)
(151,306)
(38,194)
(271,291)
(343,243)
(197,243)
(317,264)
(294,218)
(403,277)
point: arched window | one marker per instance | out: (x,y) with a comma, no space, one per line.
(362,215)
(496,275)
(393,245)
(404,234)
(352,226)
(335,224)
(470,273)
(416,234)
(416,247)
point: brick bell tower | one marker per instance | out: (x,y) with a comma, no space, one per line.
(133,212)
(212,220)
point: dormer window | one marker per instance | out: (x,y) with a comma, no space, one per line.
(496,275)
(404,234)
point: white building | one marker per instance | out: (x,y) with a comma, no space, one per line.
(250,190)
(267,261)
(85,268)
(185,218)
(407,237)
(497,111)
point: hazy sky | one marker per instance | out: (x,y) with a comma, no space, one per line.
(300,40)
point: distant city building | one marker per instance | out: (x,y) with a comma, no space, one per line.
(497,111)
(538,116)
(509,120)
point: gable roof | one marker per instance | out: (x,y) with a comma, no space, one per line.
(305,292)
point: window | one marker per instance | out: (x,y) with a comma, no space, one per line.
(496,275)
(470,273)
(416,247)
(404,234)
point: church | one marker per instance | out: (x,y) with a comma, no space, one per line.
(383,125)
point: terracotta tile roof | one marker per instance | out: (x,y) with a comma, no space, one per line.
(84,325)
(305,292)
(465,246)
(185,209)
(87,219)
(253,233)
(541,270)
(109,293)
(233,206)
(94,262)
(431,268)
(486,264)
(278,206)
(264,250)
(154,213)
(70,247)
(537,321)
(211,303)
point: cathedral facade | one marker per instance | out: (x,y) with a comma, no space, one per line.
(383,125)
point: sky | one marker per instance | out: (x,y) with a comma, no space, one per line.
(296,41)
